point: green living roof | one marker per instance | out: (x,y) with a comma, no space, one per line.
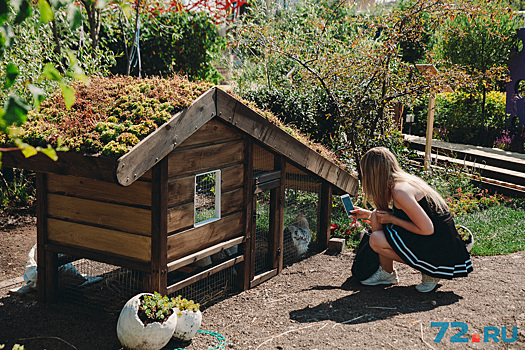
(136,122)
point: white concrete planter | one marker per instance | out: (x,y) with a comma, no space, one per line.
(132,333)
(470,242)
(187,325)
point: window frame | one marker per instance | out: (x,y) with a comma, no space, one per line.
(217,204)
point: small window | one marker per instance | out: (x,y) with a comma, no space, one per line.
(207,197)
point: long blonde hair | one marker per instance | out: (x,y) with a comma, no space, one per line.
(380,171)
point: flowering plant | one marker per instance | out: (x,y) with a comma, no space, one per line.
(351,231)
(465,202)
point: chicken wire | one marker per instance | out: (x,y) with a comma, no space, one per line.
(97,285)
(301,215)
(108,287)
(212,288)
(262,232)
(263,162)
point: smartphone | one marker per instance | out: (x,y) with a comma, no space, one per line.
(347,202)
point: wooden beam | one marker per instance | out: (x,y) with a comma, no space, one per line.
(245,269)
(430,131)
(267,186)
(189,259)
(268,176)
(160,143)
(68,163)
(263,277)
(159,228)
(202,275)
(46,275)
(325,205)
(278,216)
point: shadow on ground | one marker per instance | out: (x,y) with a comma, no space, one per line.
(367,304)
(55,326)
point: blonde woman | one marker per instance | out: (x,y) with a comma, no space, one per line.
(411,224)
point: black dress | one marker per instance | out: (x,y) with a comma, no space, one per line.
(442,254)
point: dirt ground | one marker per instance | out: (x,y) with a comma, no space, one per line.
(313,304)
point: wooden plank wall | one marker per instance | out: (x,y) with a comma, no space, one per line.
(100,217)
(214,146)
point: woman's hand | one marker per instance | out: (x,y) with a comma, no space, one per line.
(385,217)
(360,213)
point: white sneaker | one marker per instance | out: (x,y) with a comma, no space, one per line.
(381,277)
(427,283)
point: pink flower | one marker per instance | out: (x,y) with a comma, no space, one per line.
(355,223)
(458,190)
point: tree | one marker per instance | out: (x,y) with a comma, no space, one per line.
(480,39)
(361,74)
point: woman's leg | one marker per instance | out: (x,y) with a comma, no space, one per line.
(380,245)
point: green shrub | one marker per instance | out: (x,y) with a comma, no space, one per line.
(458,118)
(178,42)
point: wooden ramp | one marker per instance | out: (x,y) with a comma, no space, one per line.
(501,171)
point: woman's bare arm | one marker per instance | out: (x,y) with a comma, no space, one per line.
(406,198)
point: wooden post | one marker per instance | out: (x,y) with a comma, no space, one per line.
(325,214)
(277,215)
(430,70)
(47,279)
(430,131)
(158,281)
(245,270)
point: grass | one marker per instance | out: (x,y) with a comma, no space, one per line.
(497,230)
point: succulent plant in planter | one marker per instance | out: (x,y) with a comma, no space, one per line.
(189,319)
(147,322)
(155,308)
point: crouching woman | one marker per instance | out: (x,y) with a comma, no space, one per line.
(411,224)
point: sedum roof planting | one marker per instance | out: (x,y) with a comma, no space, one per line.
(112,114)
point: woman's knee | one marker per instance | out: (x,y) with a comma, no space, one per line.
(377,241)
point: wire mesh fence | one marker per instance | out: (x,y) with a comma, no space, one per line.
(263,162)
(97,285)
(301,215)
(212,288)
(262,232)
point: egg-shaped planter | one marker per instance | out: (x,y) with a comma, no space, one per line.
(469,240)
(188,323)
(134,335)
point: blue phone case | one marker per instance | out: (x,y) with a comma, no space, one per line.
(347,202)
